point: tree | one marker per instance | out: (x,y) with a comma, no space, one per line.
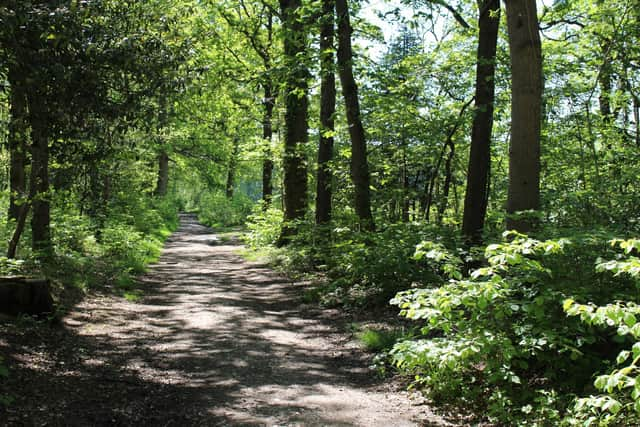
(477,194)
(256,23)
(296,117)
(359,162)
(17,143)
(327,111)
(526,112)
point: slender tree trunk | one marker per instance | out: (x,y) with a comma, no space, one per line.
(17,139)
(39,181)
(296,119)
(162,185)
(448,177)
(17,233)
(477,194)
(231,172)
(526,89)
(636,117)
(267,135)
(267,123)
(359,164)
(327,111)
(604,81)
(404,177)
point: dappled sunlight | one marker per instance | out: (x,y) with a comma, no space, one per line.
(222,341)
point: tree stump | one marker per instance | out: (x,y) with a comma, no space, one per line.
(24,295)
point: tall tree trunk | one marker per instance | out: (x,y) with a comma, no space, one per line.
(359,164)
(448,177)
(327,111)
(296,118)
(162,185)
(479,170)
(17,142)
(231,172)
(267,123)
(39,181)
(267,135)
(604,81)
(526,90)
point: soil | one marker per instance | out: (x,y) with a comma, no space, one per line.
(213,341)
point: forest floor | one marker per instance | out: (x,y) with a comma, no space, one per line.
(214,340)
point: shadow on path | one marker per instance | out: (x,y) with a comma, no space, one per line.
(214,341)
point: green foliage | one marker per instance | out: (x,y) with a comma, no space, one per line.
(217,210)
(498,339)
(264,227)
(620,402)
(380,339)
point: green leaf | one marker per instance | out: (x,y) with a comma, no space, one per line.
(566,305)
(622,357)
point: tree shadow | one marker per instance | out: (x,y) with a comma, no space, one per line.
(214,341)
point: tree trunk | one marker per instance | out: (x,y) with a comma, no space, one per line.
(162,185)
(231,173)
(327,111)
(296,119)
(526,89)
(479,170)
(448,177)
(359,164)
(267,135)
(40,221)
(17,142)
(17,233)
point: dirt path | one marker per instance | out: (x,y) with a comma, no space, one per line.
(215,340)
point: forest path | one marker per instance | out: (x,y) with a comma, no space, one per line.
(215,340)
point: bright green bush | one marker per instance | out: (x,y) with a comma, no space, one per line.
(619,402)
(217,210)
(369,268)
(263,227)
(498,340)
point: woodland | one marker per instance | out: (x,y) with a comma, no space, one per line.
(468,169)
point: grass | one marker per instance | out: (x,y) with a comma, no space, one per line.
(378,340)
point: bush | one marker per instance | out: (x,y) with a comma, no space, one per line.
(264,227)
(499,339)
(620,399)
(217,210)
(367,269)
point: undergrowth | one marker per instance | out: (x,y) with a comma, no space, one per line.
(88,252)
(524,331)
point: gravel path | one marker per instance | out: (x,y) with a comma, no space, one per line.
(214,341)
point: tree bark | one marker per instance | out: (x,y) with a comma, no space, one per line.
(267,135)
(17,142)
(162,185)
(231,172)
(526,90)
(296,119)
(39,181)
(479,170)
(448,177)
(327,111)
(359,164)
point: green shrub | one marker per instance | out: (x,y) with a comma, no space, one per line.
(499,339)
(217,210)
(619,402)
(263,227)
(380,339)
(369,268)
